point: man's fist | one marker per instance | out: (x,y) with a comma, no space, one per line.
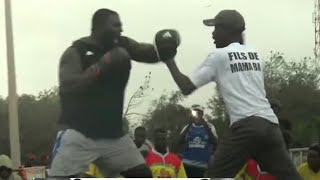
(166,43)
(116,55)
(117,58)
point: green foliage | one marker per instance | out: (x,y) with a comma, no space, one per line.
(218,115)
(281,73)
(38,119)
(296,84)
(167,113)
(134,101)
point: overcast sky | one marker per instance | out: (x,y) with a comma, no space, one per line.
(43,29)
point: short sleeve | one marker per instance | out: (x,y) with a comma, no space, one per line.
(213,130)
(183,129)
(206,72)
(149,143)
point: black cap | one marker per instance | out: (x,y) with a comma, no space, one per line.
(228,18)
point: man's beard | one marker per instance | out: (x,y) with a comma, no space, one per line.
(110,40)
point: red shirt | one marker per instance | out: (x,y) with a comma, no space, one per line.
(165,166)
(254,170)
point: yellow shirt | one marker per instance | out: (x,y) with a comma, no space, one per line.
(252,171)
(242,173)
(307,174)
(94,171)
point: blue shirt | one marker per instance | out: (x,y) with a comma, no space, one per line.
(198,149)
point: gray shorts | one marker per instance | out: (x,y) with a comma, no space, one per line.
(73,152)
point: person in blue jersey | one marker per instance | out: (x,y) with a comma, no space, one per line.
(196,143)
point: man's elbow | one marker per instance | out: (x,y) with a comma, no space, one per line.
(187,90)
(153,61)
(148,60)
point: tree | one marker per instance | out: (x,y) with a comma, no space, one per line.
(37,122)
(39,115)
(296,84)
(168,114)
(134,101)
(218,115)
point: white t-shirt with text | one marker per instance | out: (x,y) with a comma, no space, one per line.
(238,72)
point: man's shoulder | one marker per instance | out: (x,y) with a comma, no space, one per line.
(213,56)
(303,167)
(151,156)
(174,157)
(184,128)
(212,128)
(82,44)
(85,46)
(216,57)
(70,56)
(128,43)
(71,50)
(210,124)
(234,48)
(305,171)
(148,143)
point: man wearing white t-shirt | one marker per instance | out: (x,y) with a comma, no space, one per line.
(238,71)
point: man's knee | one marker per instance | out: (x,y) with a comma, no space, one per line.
(141,171)
(226,169)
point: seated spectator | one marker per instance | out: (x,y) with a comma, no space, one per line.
(162,162)
(311,169)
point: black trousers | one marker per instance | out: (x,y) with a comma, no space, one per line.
(255,138)
(194,172)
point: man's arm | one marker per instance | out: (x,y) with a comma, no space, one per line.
(211,134)
(74,79)
(184,83)
(212,139)
(203,75)
(183,134)
(140,52)
(181,139)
